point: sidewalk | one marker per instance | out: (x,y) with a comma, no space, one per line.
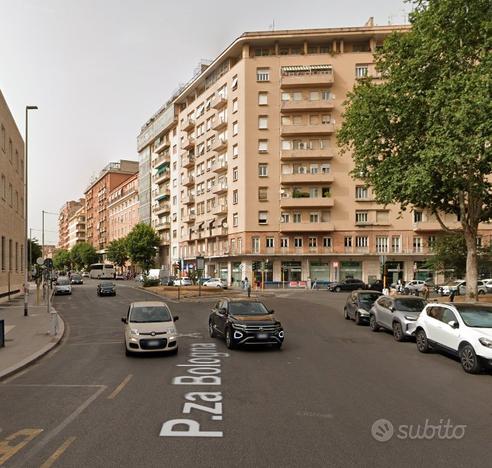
(26,338)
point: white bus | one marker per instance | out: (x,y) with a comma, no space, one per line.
(101,271)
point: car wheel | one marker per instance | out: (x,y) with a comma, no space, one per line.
(481,292)
(422,342)
(373,324)
(211,330)
(358,319)
(398,332)
(338,289)
(469,360)
(228,339)
(345,314)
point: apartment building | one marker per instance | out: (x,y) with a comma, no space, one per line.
(11,202)
(97,201)
(66,213)
(263,188)
(123,208)
(76,227)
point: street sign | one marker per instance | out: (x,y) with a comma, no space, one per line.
(200,263)
(40,261)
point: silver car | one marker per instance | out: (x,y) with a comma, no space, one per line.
(397,314)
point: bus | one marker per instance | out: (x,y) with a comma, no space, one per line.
(101,271)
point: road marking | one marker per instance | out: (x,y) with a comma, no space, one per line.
(7,450)
(120,387)
(58,453)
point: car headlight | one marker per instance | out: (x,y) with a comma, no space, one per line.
(134,331)
(487,342)
(411,318)
(363,312)
(239,326)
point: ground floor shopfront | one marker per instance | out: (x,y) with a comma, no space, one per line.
(321,269)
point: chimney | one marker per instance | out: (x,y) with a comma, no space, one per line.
(370,22)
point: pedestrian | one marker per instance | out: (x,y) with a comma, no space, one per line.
(247,287)
(314,285)
(232,281)
(452,294)
(425,292)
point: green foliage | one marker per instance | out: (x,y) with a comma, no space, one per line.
(83,255)
(117,252)
(62,260)
(36,251)
(142,242)
(449,253)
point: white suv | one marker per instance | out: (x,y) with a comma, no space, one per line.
(462,329)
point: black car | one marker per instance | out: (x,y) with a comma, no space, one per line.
(359,304)
(106,288)
(76,279)
(349,284)
(376,286)
(245,322)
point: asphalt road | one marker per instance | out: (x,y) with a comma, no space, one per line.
(312,404)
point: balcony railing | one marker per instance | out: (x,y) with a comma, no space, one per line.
(220,166)
(327,153)
(219,124)
(219,102)
(188,199)
(188,181)
(188,160)
(307,177)
(220,144)
(189,124)
(219,189)
(305,77)
(319,129)
(220,209)
(188,143)
(306,227)
(306,104)
(307,202)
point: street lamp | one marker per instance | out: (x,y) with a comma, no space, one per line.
(26,243)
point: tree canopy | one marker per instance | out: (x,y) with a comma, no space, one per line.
(83,254)
(422,136)
(33,244)
(117,252)
(142,242)
(61,259)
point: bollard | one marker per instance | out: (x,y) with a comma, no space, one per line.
(2,333)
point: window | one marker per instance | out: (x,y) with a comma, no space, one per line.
(234,83)
(262,74)
(270,242)
(235,220)
(262,122)
(284,242)
(417,216)
(262,217)
(395,244)
(347,241)
(262,98)
(235,151)
(361,71)
(381,244)
(3,187)
(327,242)
(313,217)
(235,128)
(262,146)
(361,216)
(361,192)
(3,252)
(361,241)
(263,170)
(234,105)
(255,244)
(11,152)
(235,197)
(432,241)
(313,242)
(298,242)
(235,174)
(296,217)
(262,193)
(3,143)
(314,96)
(417,244)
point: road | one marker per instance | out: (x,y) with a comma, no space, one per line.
(312,404)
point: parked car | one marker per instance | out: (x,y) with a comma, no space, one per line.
(150,327)
(488,284)
(359,304)
(106,288)
(62,286)
(481,288)
(414,286)
(245,322)
(203,280)
(76,279)
(377,285)
(397,314)
(183,282)
(447,288)
(215,283)
(119,277)
(85,274)
(464,330)
(349,284)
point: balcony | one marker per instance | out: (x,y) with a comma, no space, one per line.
(188,160)
(188,143)
(188,218)
(327,153)
(162,194)
(220,144)
(219,189)
(162,226)
(220,124)
(161,146)
(423,226)
(161,177)
(306,227)
(219,231)
(219,167)
(220,209)
(320,129)
(161,161)
(162,209)
(308,202)
(188,199)
(307,105)
(188,181)
(307,79)
(319,178)
(189,124)
(219,102)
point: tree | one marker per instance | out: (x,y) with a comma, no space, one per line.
(449,253)
(61,259)
(423,136)
(33,244)
(117,252)
(83,255)
(142,243)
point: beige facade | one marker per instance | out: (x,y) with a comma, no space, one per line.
(259,181)
(11,202)
(64,217)
(123,208)
(76,227)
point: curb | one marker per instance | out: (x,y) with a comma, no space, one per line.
(35,356)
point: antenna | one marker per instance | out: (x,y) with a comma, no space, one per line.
(272,25)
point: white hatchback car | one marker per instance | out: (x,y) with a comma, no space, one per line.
(149,327)
(183,282)
(215,283)
(462,329)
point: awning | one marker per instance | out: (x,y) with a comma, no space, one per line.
(306,68)
(199,226)
(210,223)
(321,67)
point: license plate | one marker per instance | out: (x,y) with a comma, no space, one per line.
(262,336)
(153,343)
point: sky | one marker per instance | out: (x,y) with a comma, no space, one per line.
(99,69)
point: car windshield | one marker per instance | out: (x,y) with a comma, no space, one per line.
(247,308)
(150,314)
(368,298)
(476,315)
(75,276)
(410,305)
(106,285)
(62,282)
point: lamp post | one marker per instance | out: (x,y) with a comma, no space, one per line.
(26,260)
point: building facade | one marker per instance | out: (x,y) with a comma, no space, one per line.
(76,227)
(66,213)
(97,201)
(261,188)
(11,202)
(123,208)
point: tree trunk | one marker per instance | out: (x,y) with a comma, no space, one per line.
(471,263)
